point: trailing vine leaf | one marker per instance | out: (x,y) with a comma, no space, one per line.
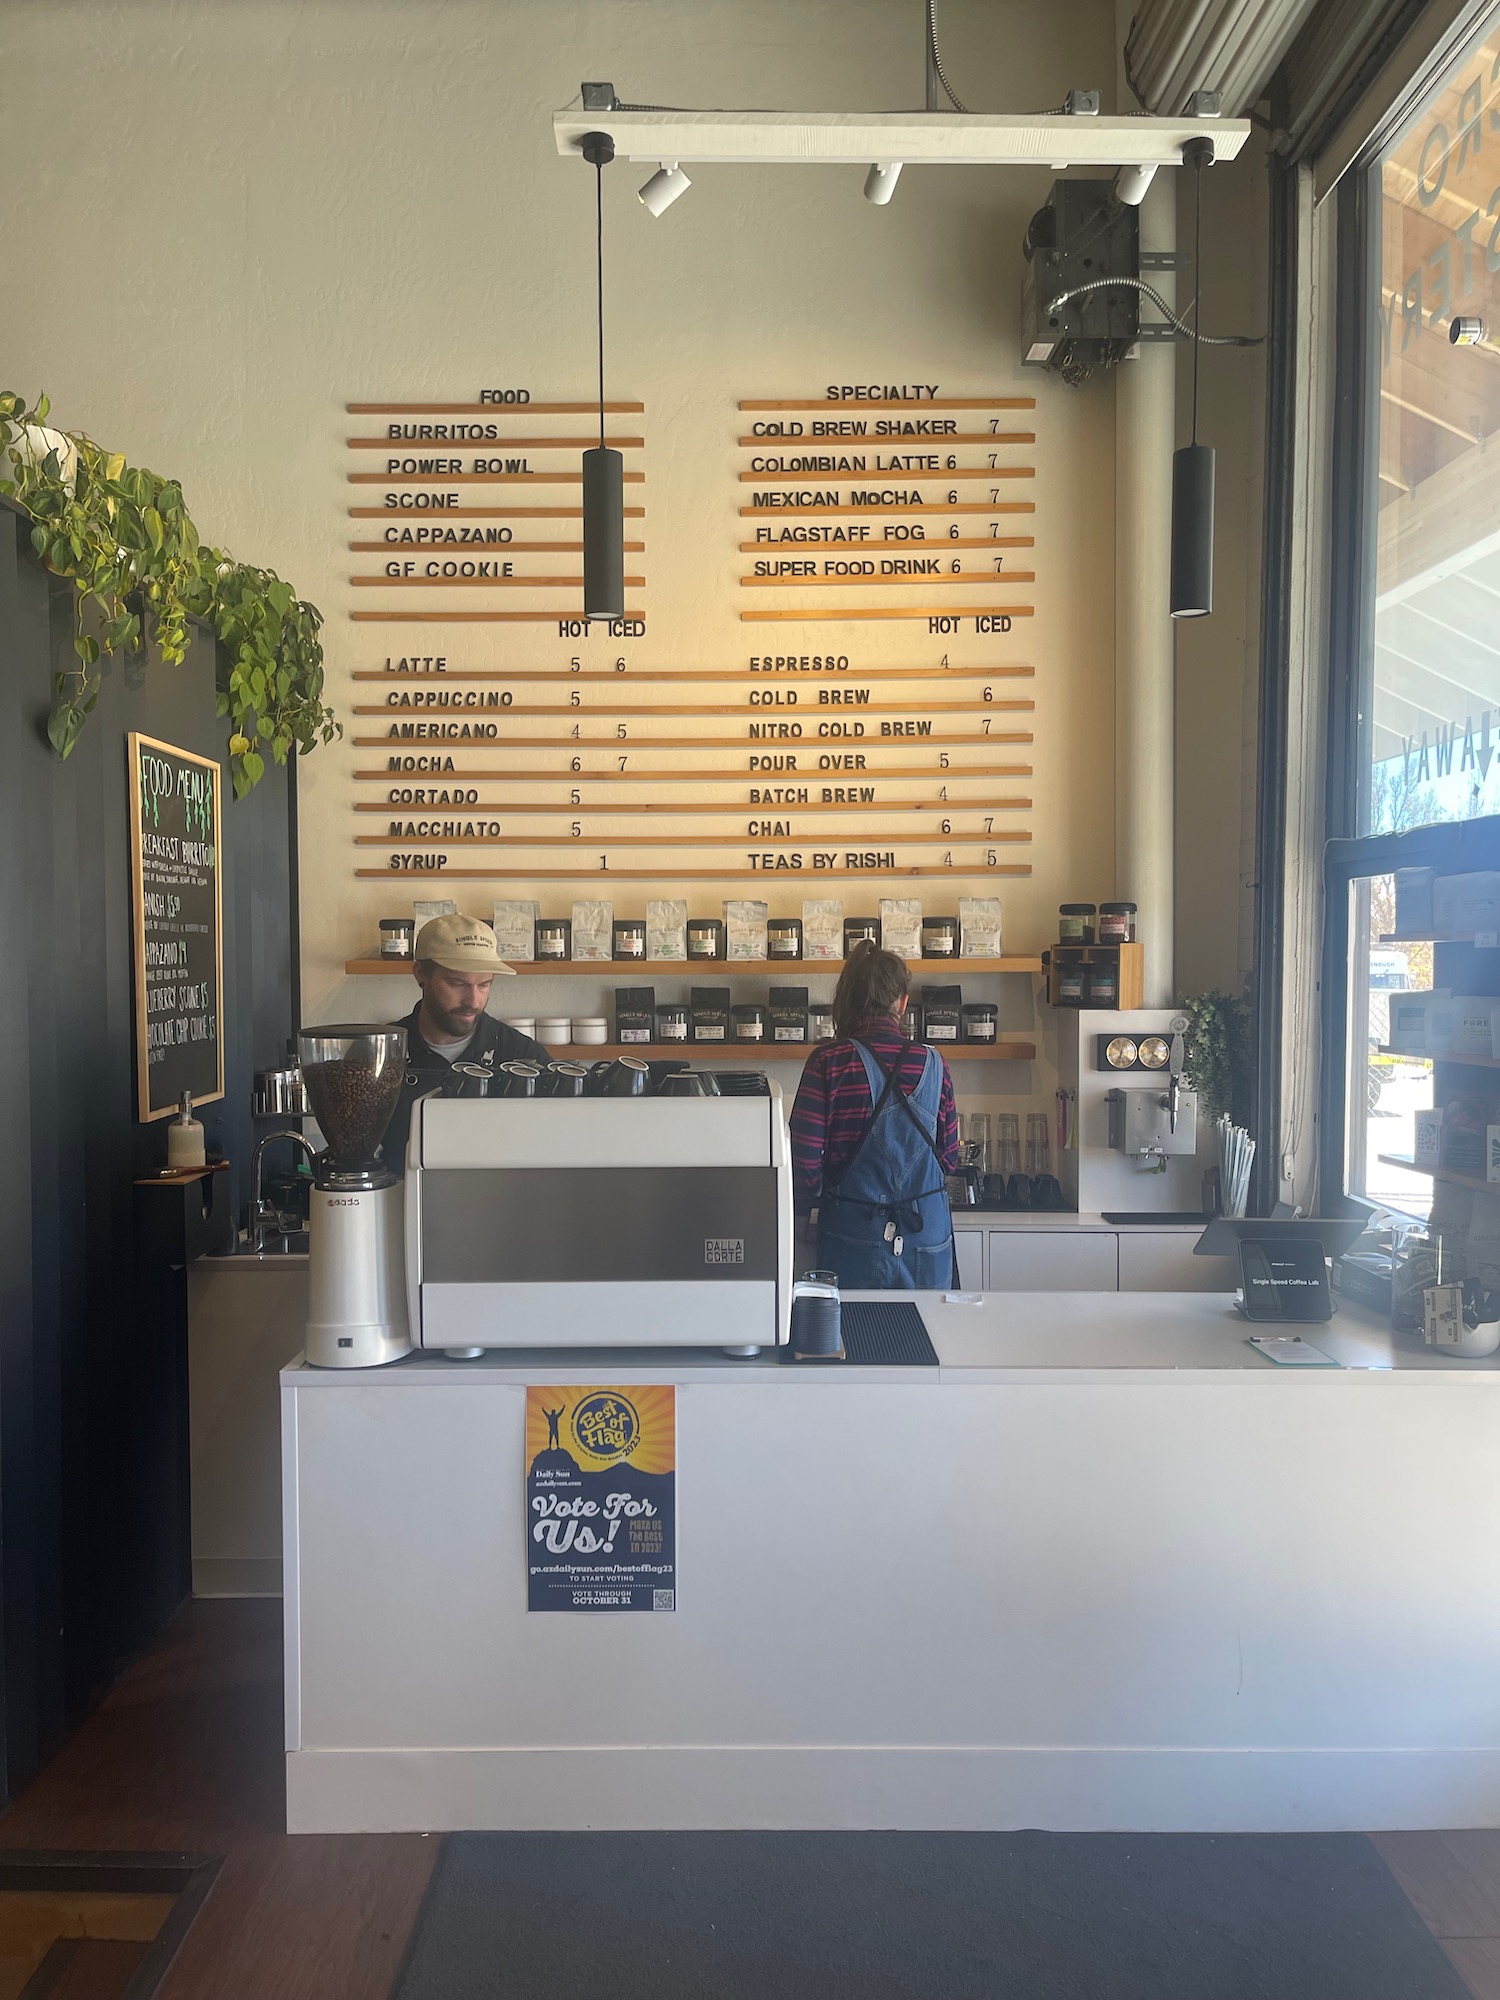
(124,539)
(1217,1053)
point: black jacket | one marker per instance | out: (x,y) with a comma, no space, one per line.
(426,1070)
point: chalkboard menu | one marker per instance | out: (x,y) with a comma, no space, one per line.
(178,918)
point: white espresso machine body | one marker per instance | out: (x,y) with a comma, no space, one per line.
(599,1222)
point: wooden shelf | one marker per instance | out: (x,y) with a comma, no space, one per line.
(1441,1173)
(1443,1056)
(719,968)
(750,1055)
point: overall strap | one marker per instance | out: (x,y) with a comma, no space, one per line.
(904,1099)
(891,1089)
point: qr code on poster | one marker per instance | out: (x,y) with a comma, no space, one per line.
(664,1600)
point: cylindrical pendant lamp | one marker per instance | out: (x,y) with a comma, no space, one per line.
(603,469)
(1192,531)
(604,533)
(1192,593)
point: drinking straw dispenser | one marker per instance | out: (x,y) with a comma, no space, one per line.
(357,1274)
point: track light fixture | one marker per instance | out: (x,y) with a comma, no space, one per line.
(603,468)
(1131,184)
(663,188)
(880,181)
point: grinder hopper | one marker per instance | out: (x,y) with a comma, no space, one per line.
(353,1073)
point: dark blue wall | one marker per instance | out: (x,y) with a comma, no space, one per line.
(94,1529)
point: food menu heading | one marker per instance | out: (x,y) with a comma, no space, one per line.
(868,508)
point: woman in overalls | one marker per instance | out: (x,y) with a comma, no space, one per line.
(874,1130)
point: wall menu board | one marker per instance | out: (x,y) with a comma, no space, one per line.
(893,740)
(177,898)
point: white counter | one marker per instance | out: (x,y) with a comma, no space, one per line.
(1104,1567)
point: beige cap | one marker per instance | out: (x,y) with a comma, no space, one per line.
(463,944)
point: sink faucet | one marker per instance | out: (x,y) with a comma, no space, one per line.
(261,1212)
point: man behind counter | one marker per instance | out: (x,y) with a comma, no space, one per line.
(455,962)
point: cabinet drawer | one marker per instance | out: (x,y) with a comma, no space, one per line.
(1159,1262)
(1052,1260)
(970,1246)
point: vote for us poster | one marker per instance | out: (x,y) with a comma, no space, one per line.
(601,1499)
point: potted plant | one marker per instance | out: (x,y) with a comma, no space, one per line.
(123,537)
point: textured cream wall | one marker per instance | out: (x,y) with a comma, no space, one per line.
(246,213)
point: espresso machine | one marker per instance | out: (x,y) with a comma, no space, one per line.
(356,1266)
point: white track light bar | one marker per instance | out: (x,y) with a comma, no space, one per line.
(917,138)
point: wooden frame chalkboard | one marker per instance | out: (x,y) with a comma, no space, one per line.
(176,857)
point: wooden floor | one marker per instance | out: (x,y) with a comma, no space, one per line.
(187,1754)
(1454,1881)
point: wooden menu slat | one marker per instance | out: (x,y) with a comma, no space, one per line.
(893,403)
(532,581)
(505,443)
(1012,837)
(939,438)
(661,710)
(839,478)
(790,548)
(893,773)
(490,410)
(635,679)
(900,513)
(417,515)
(959,581)
(521,809)
(539,548)
(481,618)
(893,611)
(597,875)
(629,745)
(477,479)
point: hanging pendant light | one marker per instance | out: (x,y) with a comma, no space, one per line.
(1192,592)
(603,469)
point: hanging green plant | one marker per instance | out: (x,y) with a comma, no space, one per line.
(123,538)
(1216,1053)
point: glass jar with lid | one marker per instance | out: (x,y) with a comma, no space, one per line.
(1075,923)
(671,1021)
(1117,923)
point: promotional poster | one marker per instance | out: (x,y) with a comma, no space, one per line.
(601,1499)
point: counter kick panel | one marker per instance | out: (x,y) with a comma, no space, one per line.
(597,1224)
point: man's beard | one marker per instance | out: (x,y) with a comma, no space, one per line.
(453,1025)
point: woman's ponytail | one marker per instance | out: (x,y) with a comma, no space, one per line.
(871,985)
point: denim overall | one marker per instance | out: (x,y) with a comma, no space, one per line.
(887,1225)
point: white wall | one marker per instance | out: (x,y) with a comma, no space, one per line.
(244,213)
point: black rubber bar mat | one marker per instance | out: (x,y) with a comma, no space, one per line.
(886,1333)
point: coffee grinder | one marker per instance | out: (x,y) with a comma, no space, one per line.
(356,1258)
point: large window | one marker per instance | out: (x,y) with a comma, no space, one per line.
(1432,749)
(1415,773)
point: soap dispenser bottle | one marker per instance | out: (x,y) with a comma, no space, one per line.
(186,1146)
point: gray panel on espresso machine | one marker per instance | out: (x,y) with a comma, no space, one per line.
(530,1225)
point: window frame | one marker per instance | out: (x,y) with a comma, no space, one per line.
(1449,847)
